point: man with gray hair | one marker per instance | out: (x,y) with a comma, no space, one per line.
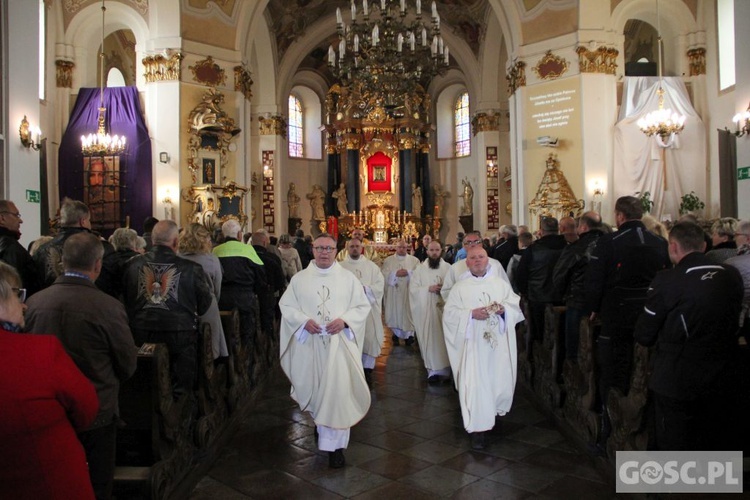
(164,295)
(97,337)
(243,282)
(11,251)
(74,218)
(507,244)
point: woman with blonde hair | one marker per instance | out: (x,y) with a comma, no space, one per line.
(722,237)
(195,244)
(655,226)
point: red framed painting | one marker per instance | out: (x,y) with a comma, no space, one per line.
(379,172)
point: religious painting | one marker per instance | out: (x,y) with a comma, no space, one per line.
(209,165)
(379,172)
(101,192)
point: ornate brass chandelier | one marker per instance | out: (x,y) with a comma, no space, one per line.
(101,143)
(663,122)
(387,51)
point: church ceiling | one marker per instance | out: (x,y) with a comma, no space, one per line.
(291,18)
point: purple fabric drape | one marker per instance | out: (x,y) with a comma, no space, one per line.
(123,117)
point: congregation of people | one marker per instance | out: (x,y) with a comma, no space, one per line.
(76,308)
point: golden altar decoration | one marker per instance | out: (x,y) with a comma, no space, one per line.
(555,198)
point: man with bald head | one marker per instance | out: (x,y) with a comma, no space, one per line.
(164,295)
(397,270)
(568,229)
(427,312)
(372,282)
(367,250)
(479,323)
(459,270)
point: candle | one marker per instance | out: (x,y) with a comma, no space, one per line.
(399,42)
(434,10)
(419,7)
(375,35)
(440,45)
(356,43)
(342,49)
(412,41)
(354,11)
(331,56)
(339,20)
(447,52)
(437,22)
(403,6)
(424,37)
(433,48)
(382,5)
(365,7)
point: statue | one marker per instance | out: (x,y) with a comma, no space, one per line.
(416,200)
(468,197)
(341,201)
(292,199)
(440,197)
(317,201)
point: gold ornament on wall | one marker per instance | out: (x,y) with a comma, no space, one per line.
(554,198)
(601,60)
(272,125)
(516,76)
(208,73)
(243,81)
(551,66)
(485,122)
(162,67)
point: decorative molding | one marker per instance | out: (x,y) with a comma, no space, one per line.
(273,125)
(551,66)
(162,67)
(243,81)
(208,73)
(697,61)
(64,73)
(73,6)
(485,122)
(516,76)
(601,60)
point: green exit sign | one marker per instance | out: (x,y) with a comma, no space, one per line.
(743,173)
(33,196)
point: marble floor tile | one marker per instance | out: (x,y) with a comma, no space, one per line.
(393,440)
(510,449)
(526,477)
(574,487)
(536,435)
(441,481)
(350,481)
(433,451)
(476,463)
(578,464)
(485,489)
(395,465)
(395,491)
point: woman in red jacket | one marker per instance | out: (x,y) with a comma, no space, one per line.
(44,399)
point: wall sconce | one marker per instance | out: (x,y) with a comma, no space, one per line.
(31,137)
(742,122)
(164,157)
(596,199)
(168,207)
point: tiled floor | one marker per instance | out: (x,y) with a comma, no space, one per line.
(411,445)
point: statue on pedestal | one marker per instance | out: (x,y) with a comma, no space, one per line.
(468,197)
(341,201)
(317,201)
(416,200)
(292,199)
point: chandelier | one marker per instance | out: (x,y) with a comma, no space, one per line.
(663,122)
(388,50)
(101,143)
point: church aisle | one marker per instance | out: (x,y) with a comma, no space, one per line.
(410,445)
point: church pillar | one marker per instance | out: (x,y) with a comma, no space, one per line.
(352,182)
(405,162)
(423,180)
(485,127)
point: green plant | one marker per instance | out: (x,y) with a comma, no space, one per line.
(646,202)
(690,203)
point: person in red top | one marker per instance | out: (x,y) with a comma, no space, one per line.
(44,399)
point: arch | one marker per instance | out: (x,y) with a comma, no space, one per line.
(676,21)
(264,70)
(508,17)
(492,61)
(115,78)
(84,33)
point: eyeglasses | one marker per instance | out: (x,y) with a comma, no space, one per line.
(472,243)
(21,292)
(324,249)
(17,214)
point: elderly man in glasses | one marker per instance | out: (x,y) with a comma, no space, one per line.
(397,270)
(11,251)
(460,270)
(323,319)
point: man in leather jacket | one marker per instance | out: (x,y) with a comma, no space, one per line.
(11,251)
(568,278)
(535,276)
(164,295)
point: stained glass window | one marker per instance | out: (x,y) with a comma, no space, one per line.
(295,128)
(462,125)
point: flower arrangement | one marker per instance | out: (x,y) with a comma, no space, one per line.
(691,203)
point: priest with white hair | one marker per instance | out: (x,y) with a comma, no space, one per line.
(479,323)
(397,270)
(368,273)
(323,315)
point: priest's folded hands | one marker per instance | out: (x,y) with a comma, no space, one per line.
(485,312)
(332,328)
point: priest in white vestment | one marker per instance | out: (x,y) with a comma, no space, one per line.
(427,312)
(479,323)
(397,270)
(460,269)
(372,282)
(323,316)
(367,249)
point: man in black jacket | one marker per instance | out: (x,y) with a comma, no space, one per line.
(164,295)
(507,245)
(619,272)
(275,281)
(11,251)
(568,278)
(691,316)
(534,276)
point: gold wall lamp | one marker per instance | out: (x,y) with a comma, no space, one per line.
(31,137)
